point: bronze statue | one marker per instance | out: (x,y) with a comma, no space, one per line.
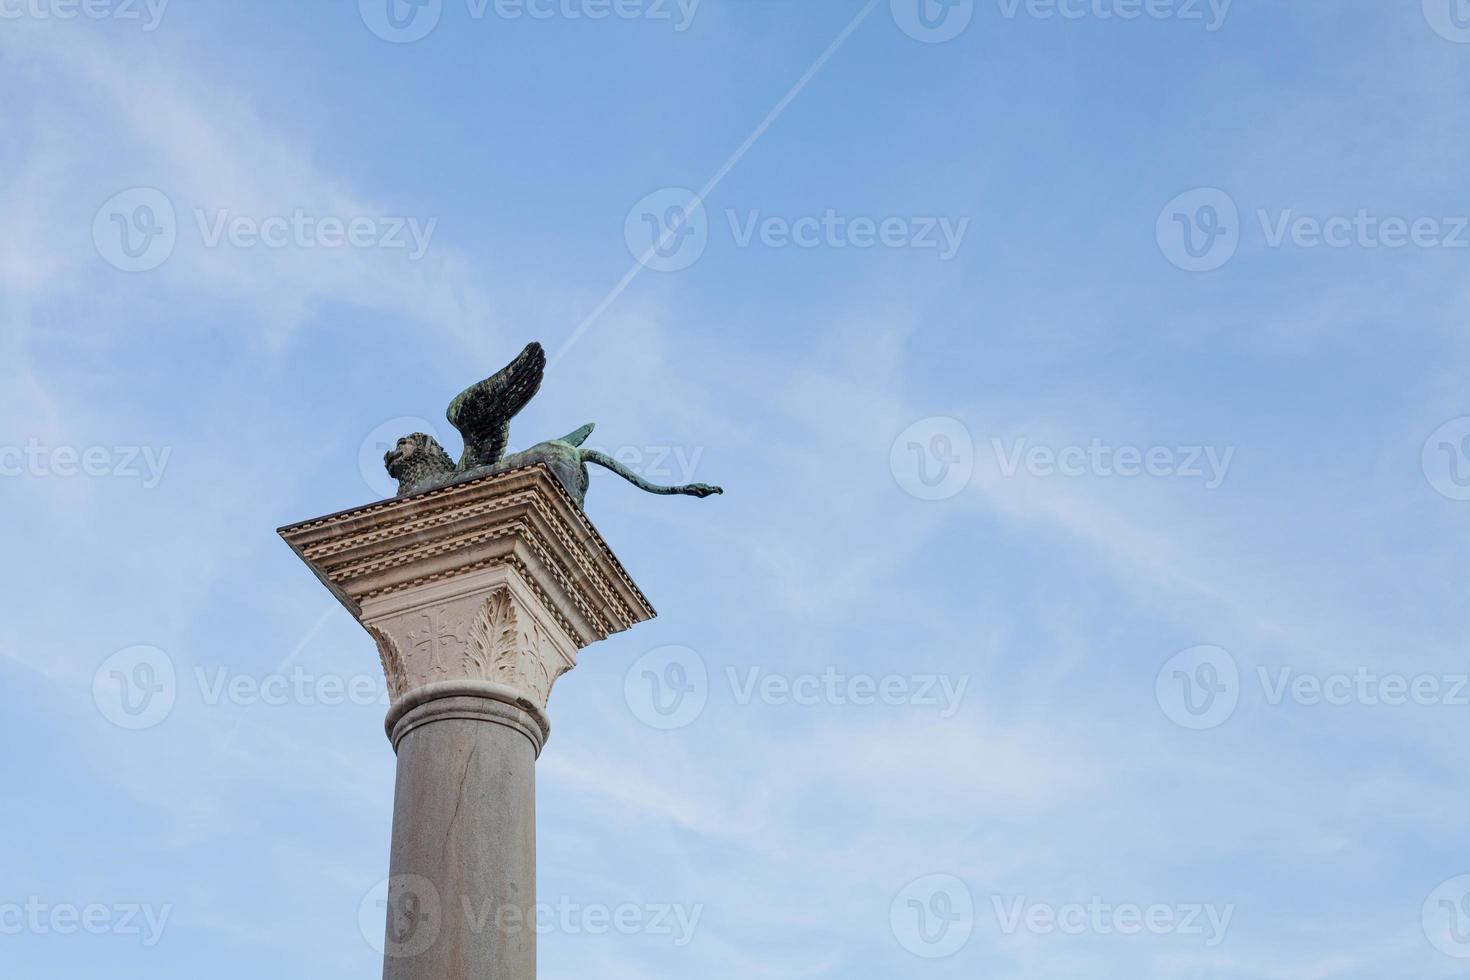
(482,414)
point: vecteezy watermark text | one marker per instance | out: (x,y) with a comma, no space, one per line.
(298,687)
(139,687)
(407,21)
(1363,229)
(669,687)
(832,230)
(934,917)
(148,12)
(1211,13)
(569,918)
(1200,688)
(138,229)
(669,230)
(937,21)
(306,231)
(1101,918)
(1207,463)
(679,13)
(40,918)
(1363,686)
(1201,230)
(934,459)
(416,912)
(35,459)
(832,687)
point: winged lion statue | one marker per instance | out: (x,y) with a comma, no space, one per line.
(482,414)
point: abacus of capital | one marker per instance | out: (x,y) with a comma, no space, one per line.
(479,596)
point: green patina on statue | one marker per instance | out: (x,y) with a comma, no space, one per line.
(482,414)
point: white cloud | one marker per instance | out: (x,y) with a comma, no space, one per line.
(208,151)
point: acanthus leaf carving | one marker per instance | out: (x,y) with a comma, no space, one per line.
(510,647)
(394,669)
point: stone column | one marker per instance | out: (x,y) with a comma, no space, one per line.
(479,597)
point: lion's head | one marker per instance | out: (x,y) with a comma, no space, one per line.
(415,459)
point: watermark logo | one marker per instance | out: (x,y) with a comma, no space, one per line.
(933,459)
(933,21)
(414,914)
(401,21)
(135,688)
(1446,459)
(1199,231)
(667,688)
(1450,19)
(933,917)
(668,230)
(148,12)
(136,230)
(1446,918)
(382,440)
(1199,688)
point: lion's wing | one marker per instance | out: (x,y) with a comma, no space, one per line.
(482,412)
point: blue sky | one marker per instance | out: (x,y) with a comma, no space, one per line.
(1090,378)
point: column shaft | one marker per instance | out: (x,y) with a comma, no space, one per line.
(462,891)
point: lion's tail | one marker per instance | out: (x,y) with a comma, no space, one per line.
(602,459)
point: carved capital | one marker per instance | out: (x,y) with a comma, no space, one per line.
(500,580)
(495,633)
